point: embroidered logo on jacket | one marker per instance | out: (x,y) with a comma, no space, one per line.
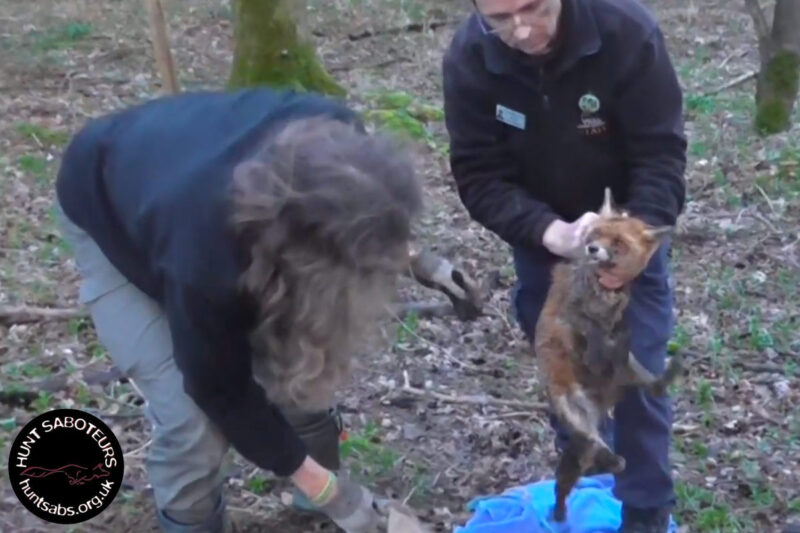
(590,124)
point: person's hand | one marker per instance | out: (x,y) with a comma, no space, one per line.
(436,272)
(565,239)
(353,508)
(349,505)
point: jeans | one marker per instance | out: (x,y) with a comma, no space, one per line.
(641,429)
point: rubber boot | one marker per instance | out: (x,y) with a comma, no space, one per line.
(320,431)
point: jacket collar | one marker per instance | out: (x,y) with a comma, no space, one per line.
(579,37)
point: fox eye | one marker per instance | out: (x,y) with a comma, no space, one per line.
(619,246)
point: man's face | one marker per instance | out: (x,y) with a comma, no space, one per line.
(527,25)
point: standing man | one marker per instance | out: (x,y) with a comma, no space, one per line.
(548,102)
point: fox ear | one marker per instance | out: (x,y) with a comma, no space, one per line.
(607,209)
(659,233)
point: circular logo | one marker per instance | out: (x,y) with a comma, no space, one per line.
(589,103)
(66,466)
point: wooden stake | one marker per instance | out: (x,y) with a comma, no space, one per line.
(161,48)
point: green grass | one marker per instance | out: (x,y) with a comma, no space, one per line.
(61,37)
(407,329)
(41,134)
(373,459)
(258,484)
(36,166)
(706,513)
(701,104)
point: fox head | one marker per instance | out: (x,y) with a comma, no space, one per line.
(619,244)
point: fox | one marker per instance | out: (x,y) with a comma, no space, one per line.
(582,341)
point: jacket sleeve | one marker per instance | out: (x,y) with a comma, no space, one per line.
(484,170)
(215,362)
(651,117)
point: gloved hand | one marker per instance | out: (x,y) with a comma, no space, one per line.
(353,508)
(566,239)
(436,272)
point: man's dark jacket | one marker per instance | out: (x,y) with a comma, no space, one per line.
(149,184)
(515,177)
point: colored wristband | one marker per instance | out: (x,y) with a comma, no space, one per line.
(326,493)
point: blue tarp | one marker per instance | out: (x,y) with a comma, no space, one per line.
(591,508)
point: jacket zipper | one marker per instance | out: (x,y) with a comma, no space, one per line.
(545,97)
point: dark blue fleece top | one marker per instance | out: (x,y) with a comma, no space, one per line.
(536,139)
(149,184)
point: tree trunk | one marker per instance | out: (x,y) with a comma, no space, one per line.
(269,50)
(779,76)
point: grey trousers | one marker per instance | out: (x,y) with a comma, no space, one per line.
(185,458)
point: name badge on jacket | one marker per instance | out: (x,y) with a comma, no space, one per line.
(510,117)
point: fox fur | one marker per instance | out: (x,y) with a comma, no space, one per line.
(582,341)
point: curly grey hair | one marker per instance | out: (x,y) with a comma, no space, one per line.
(326,212)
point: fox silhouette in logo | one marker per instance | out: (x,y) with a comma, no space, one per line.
(75,474)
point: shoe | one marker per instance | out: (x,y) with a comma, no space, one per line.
(644,520)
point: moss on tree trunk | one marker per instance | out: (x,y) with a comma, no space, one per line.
(777,91)
(779,76)
(270,51)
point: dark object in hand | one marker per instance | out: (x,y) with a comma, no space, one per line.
(437,273)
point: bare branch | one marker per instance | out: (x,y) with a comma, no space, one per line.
(161,48)
(474,399)
(759,20)
(739,80)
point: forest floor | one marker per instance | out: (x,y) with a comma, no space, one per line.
(736,268)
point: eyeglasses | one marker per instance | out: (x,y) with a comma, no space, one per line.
(506,22)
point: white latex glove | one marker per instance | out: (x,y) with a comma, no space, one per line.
(566,239)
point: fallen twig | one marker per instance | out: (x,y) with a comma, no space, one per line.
(29,392)
(737,55)
(26,315)
(422,309)
(137,451)
(379,64)
(414,27)
(735,82)
(762,218)
(474,399)
(767,198)
(685,428)
(759,367)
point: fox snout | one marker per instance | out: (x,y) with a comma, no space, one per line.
(598,252)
